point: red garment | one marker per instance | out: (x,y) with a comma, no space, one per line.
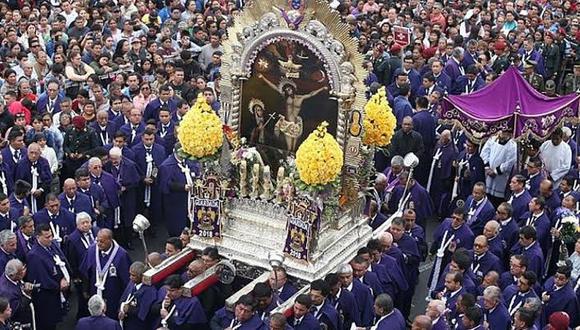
(17,107)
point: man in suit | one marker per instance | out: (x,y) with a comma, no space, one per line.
(19,293)
(76,249)
(49,102)
(302,318)
(321,308)
(134,128)
(453,68)
(164,99)
(24,236)
(472,319)
(361,292)
(104,128)
(496,313)
(469,83)
(283,288)
(74,201)
(34,169)
(389,318)
(98,319)
(14,151)
(60,220)
(343,301)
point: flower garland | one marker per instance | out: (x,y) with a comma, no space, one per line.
(319,158)
(379,122)
(200,132)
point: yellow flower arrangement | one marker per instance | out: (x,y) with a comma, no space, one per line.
(379,122)
(319,158)
(200,132)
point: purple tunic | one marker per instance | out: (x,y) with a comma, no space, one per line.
(41,269)
(128,177)
(393,321)
(64,219)
(111,188)
(23,172)
(138,317)
(116,281)
(97,322)
(419,200)
(172,183)
(81,203)
(159,155)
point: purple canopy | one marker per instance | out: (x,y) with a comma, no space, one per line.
(509,103)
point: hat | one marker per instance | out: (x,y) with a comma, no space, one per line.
(135,40)
(79,122)
(396,48)
(530,64)
(559,321)
(499,45)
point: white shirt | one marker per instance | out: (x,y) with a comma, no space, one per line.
(556,159)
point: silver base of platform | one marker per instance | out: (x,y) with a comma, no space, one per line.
(253,229)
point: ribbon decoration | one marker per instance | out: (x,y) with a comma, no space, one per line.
(55,228)
(58,261)
(473,213)
(435,160)
(125,303)
(512,309)
(34,172)
(102,275)
(3,182)
(117,216)
(164,321)
(236,326)
(189,181)
(440,253)
(149,160)
(31,305)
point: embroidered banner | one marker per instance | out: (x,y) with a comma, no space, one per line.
(206,217)
(303,220)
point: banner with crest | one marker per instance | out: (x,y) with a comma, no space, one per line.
(303,220)
(207,206)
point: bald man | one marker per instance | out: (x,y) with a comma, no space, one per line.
(74,201)
(421,322)
(483,260)
(107,268)
(36,171)
(491,232)
(443,176)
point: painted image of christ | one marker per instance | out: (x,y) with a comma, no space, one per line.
(290,124)
(290,84)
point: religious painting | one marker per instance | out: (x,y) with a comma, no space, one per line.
(303,220)
(206,207)
(286,98)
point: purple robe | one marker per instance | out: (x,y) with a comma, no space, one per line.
(64,219)
(498,317)
(23,245)
(372,281)
(308,322)
(41,269)
(509,233)
(81,203)
(138,317)
(514,299)
(364,299)
(441,324)
(288,290)
(4,258)
(159,155)
(111,188)
(9,161)
(18,205)
(553,202)
(76,249)
(481,214)
(542,224)
(188,310)
(392,321)
(481,265)
(116,282)
(520,204)
(451,302)
(97,322)
(533,184)
(18,302)
(128,130)
(23,172)
(453,70)
(462,236)
(561,299)
(174,197)
(419,200)
(387,283)
(128,177)
(328,315)
(224,317)
(125,151)
(10,220)
(5,170)
(347,307)
(534,254)
(104,135)
(395,271)
(425,124)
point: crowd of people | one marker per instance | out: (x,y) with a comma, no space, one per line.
(92,94)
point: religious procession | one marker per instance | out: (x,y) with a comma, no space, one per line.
(290,164)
